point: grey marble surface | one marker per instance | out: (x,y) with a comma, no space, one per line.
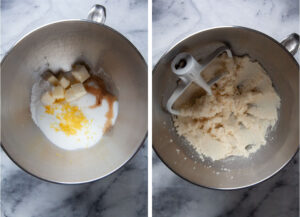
(175,197)
(123,193)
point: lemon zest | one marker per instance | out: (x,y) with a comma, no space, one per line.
(71,119)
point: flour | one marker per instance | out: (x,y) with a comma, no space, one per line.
(234,120)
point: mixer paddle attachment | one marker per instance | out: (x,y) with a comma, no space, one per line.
(189,70)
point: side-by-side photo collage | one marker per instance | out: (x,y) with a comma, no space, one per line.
(149,108)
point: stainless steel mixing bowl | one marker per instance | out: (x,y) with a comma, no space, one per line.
(59,45)
(282,143)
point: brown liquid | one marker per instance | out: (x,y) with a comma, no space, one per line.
(100,92)
(110,114)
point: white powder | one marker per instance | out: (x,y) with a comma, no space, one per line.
(91,132)
(235,119)
(38,88)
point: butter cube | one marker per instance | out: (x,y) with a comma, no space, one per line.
(64,82)
(52,80)
(58,92)
(47,99)
(48,76)
(80,73)
(75,92)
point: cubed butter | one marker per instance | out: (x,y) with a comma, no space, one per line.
(53,80)
(58,92)
(80,73)
(47,99)
(48,76)
(75,92)
(64,82)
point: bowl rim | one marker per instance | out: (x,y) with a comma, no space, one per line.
(69,21)
(144,138)
(155,69)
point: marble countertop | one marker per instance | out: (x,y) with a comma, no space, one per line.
(124,193)
(175,197)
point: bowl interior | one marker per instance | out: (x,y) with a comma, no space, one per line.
(58,46)
(233,172)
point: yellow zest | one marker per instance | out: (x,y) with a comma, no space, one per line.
(71,119)
(49,109)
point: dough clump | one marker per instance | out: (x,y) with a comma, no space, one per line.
(234,120)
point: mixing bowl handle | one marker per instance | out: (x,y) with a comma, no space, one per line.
(291,43)
(97,14)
